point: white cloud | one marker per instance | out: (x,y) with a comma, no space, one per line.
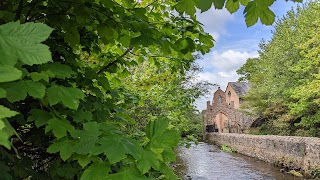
(220,68)
(214,21)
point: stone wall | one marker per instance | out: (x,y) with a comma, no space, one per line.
(288,151)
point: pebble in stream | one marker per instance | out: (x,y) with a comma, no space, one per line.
(208,162)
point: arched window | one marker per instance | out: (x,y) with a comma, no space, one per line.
(220,100)
(229,93)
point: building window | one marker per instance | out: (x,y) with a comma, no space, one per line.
(229,93)
(220,99)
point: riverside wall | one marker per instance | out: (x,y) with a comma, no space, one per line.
(293,152)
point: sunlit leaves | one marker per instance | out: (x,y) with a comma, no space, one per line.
(187,6)
(232,6)
(23,41)
(259,9)
(9,73)
(285,78)
(68,96)
(6,130)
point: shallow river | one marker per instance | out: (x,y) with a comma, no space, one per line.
(208,162)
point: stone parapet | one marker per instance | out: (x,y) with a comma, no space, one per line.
(288,151)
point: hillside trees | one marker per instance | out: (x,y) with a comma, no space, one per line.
(285,78)
(63,108)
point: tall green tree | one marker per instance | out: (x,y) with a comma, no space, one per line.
(285,78)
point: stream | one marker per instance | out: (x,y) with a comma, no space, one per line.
(208,162)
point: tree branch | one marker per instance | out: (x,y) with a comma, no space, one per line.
(106,67)
(19,10)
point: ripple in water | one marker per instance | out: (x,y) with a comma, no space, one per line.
(208,162)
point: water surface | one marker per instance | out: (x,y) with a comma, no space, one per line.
(208,162)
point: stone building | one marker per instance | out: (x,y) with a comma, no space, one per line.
(223,114)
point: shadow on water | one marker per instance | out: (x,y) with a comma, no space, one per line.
(208,162)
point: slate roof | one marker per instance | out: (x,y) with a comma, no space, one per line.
(240,88)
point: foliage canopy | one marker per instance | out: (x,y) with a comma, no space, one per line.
(64,109)
(285,78)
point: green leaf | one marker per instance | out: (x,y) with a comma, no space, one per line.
(58,70)
(244,2)
(68,96)
(97,170)
(9,73)
(187,6)
(232,5)
(64,146)
(22,41)
(6,130)
(167,171)
(6,112)
(3,93)
(204,5)
(59,127)
(72,37)
(81,116)
(40,117)
(149,159)
(251,13)
(267,17)
(218,4)
(87,137)
(17,91)
(116,147)
(35,76)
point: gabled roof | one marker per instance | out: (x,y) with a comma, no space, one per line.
(240,88)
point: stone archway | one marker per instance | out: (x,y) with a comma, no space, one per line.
(222,120)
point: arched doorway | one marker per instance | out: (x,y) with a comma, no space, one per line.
(222,122)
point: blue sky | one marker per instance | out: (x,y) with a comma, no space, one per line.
(235,43)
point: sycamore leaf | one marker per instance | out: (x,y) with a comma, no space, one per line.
(69,96)
(149,159)
(6,130)
(116,148)
(81,116)
(204,5)
(187,6)
(218,4)
(84,160)
(251,13)
(58,70)
(87,137)
(267,17)
(167,171)
(35,76)
(156,127)
(97,170)
(9,73)
(232,5)
(17,91)
(23,41)
(64,146)
(3,93)
(39,117)
(244,2)
(6,112)
(59,127)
